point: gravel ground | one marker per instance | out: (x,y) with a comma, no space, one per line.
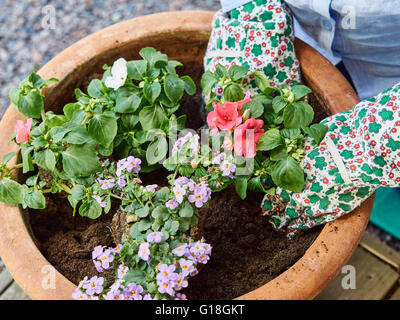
(29,37)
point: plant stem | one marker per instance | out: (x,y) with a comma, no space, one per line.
(66,188)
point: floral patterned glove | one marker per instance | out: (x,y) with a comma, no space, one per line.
(360,153)
(258,36)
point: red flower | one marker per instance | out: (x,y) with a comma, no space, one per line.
(325,180)
(246,137)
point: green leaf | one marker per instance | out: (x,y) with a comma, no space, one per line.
(186,170)
(103,128)
(70,108)
(35,199)
(31,105)
(162,194)
(233,93)
(288,175)
(269,140)
(128,100)
(26,158)
(208,80)
(80,161)
(78,135)
(186,211)
(151,55)
(8,157)
(136,276)
(255,185)
(221,71)
(152,91)
(241,186)
(14,95)
(160,212)
(151,117)
(300,91)
(78,192)
(237,72)
(297,115)
(317,132)
(255,107)
(95,88)
(11,192)
(143,225)
(261,80)
(173,87)
(291,134)
(136,69)
(157,150)
(142,212)
(278,103)
(190,86)
(90,208)
(45,159)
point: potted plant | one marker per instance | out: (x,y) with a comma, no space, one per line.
(294,283)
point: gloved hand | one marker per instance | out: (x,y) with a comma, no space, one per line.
(259,36)
(360,153)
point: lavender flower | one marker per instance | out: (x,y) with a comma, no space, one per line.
(97,252)
(97,265)
(179,193)
(219,158)
(117,249)
(106,258)
(199,197)
(186,266)
(133,292)
(79,295)
(181,250)
(166,273)
(155,236)
(144,251)
(180,282)
(94,285)
(227,168)
(151,188)
(172,204)
(132,164)
(102,204)
(122,271)
(106,184)
(114,295)
(180,296)
(121,182)
(166,287)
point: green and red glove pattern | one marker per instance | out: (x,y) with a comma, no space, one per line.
(360,152)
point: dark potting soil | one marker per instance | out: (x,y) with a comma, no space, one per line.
(247,251)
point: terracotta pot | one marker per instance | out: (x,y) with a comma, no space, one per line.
(183,36)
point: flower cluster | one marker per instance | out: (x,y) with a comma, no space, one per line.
(229,117)
(188,145)
(197,193)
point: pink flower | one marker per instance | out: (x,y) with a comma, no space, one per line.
(226,116)
(228,144)
(22,130)
(246,137)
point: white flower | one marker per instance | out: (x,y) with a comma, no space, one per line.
(119,72)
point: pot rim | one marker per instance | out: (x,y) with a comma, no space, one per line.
(330,250)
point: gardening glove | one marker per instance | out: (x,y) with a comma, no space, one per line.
(259,36)
(359,153)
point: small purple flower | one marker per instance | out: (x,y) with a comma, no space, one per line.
(79,295)
(121,182)
(219,158)
(114,295)
(179,193)
(166,273)
(97,265)
(133,163)
(180,282)
(107,184)
(117,249)
(144,251)
(227,168)
(94,285)
(148,297)
(106,258)
(172,204)
(197,248)
(181,181)
(133,292)
(97,252)
(203,258)
(82,282)
(166,287)
(151,188)
(186,266)
(181,250)
(155,236)
(122,271)
(180,296)
(102,204)
(199,197)
(116,285)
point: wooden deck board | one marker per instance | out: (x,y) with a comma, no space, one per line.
(14,292)
(374,279)
(5,278)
